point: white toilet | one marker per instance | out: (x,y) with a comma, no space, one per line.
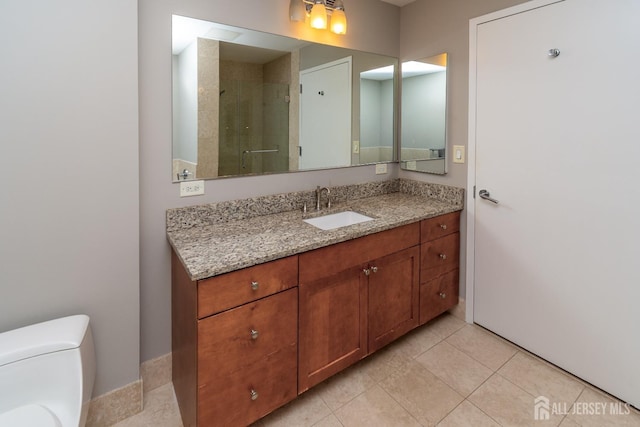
(46,374)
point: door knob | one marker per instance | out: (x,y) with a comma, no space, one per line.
(484,194)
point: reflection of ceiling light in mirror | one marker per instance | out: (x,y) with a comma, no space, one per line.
(384,73)
(415,68)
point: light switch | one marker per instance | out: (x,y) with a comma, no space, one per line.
(356,147)
(458,154)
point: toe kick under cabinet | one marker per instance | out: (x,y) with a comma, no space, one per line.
(249,341)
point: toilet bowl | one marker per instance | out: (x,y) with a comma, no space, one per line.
(47,372)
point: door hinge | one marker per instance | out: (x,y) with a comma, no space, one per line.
(474,191)
(300,150)
(300,87)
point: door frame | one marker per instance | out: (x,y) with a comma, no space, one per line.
(471,140)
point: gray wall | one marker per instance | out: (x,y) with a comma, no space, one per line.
(430,27)
(158,193)
(69,224)
(424,99)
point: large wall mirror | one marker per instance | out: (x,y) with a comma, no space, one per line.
(424,113)
(250,103)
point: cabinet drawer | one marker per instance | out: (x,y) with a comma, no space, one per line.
(434,228)
(236,288)
(229,341)
(438,295)
(232,361)
(439,256)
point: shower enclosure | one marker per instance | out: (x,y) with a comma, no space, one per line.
(253,127)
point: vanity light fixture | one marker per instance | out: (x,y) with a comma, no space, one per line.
(318,11)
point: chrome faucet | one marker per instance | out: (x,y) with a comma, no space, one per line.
(319,196)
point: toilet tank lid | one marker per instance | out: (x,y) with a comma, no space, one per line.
(47,337)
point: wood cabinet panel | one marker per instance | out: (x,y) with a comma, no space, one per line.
(434,228)
(230,290)
(332,328)
(251,347)
(438,295)
(439,256)
(393,291)
(327,261)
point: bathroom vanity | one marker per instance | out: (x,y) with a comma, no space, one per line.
(266,306)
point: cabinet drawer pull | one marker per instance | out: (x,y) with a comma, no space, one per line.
(254,285)
(443,256)
(254,334)
(443,226)
(254,394)
(442,295)
(366,271)
(374,269)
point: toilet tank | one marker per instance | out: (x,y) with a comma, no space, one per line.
(50,364)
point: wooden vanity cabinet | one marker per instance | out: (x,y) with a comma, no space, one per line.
(235,357)
(355,297)
(439,265)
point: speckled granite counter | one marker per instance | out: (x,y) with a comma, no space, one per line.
(222,237)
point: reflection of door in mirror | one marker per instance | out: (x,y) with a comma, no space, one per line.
(324,139)
(424,105)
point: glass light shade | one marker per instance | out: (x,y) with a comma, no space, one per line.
(339,22)
(297,11)
(318,17)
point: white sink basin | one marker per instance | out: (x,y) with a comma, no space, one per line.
(337,220)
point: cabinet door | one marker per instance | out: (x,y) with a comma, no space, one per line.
(332,326)
(393,297)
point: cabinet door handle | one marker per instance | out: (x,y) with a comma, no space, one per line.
(442,295)
(254,394)
(254,285)
(366,271)
(254,334)
(374,269)
(443,256)
(443,226)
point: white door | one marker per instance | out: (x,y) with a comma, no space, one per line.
(557,143)
(325,115)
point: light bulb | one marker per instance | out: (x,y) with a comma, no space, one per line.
(339,21)
(318,17)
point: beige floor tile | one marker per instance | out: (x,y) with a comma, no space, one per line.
(307,410)
(330,421)
(541,379)
(455,368)
(595,409)
(378,366)
(508,404)
(421,393)
(465,415)
(160,409)
(417,341)
(343,387)
(444,325)
(568,422)
(374,408)
(483,346)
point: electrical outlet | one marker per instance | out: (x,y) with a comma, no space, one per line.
(191,188)
(381,168)
(458,154)
(356,147)
(411,165)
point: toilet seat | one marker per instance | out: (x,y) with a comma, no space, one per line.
(29,416)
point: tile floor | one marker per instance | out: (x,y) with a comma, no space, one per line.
(447,373)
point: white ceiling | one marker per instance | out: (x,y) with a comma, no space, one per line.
(399,2)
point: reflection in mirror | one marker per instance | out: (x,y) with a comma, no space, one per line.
(423,121)
(248,103)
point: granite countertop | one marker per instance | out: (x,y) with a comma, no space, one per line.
(210,250)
